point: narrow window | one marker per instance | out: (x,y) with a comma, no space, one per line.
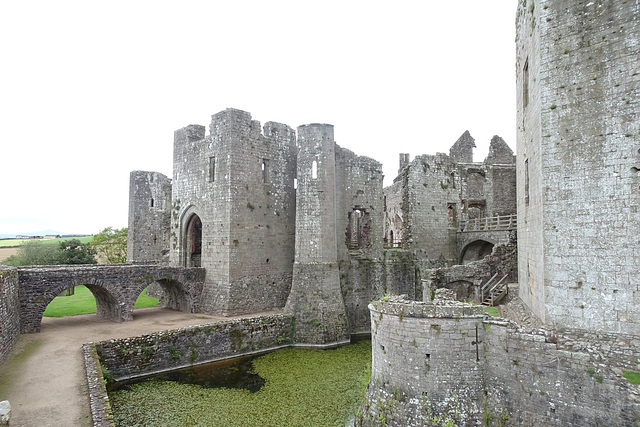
(212,169)
(265,170)
(314,170)
(151,203)
(526,182)
(451,215)
(525,84)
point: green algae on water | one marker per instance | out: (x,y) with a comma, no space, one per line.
(302,387)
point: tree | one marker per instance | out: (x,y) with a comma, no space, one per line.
(35,252)
(111,244)
(75,252)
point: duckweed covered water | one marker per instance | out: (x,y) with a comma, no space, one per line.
(302,387)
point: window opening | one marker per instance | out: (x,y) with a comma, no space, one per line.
(151,203)
(265,170)
(212,169)
(526,182)
(314,170)
(451,215)
(525,84)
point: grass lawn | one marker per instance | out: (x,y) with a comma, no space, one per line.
(83,302)
(10,243)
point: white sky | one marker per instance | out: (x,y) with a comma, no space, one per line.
(90,91)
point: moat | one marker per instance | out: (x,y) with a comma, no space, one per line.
(289,387)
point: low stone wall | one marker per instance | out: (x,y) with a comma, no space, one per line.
(447,362)
(167,350)
(146,355)
(9,309)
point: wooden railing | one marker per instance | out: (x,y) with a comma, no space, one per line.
(504,222)
(495,289)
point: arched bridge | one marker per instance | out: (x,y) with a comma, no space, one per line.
(115,288)
(477,237)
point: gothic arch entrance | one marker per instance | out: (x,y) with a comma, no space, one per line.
(193,247)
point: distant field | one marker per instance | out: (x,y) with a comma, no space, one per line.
(7,243)
(9,247)
(6,253)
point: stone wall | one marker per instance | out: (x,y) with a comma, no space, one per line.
(577,142)
(445,361)
(467,280)
(166,350)
(233,203)
(149,218)
(433,194)
(9,309)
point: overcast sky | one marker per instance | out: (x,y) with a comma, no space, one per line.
(90,91)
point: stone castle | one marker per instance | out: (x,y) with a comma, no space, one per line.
(272,218)
(340,239)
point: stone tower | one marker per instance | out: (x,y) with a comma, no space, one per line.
(149,218)
(233,203)
(578,118)
(316,297)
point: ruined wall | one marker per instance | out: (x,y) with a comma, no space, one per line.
(316,296)
(239,182)
(538,383)
(578,141)
(149,218)
(432,186)
(167,350)
(360,234)
(433,195)
(446,361)
(9,309)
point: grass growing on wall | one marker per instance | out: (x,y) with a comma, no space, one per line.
(302,387)
(631,376)
(83,302)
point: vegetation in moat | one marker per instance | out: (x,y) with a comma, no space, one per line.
(302,387)
(83,302)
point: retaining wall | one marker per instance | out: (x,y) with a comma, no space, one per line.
(9,309)
(446,361)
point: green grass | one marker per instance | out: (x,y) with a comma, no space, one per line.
(303,387)
(83,302)
(631,376)
(10,243)
(491,311)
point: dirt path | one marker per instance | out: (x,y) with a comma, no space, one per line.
(43,379)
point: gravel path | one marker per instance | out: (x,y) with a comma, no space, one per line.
(43,379)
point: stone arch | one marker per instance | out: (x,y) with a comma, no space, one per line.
(465,290)
(191,238)
(110,303)
(475,251)
(175,295)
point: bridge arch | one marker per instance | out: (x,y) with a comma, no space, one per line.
(476,250)
(115,288)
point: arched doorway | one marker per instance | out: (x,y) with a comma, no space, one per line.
(476,251)
(193,247)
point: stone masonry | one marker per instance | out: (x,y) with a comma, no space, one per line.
(9,309)
(444,361)
(578,118)
(434,195)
